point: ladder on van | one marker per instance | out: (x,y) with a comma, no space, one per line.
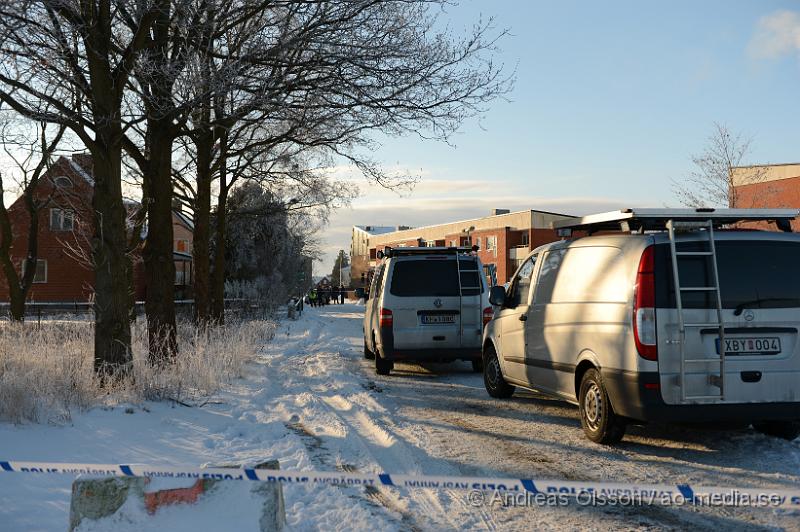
(461,289)
(691,359)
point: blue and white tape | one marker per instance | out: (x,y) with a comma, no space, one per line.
(642,493)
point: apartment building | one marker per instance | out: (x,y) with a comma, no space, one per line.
(767,186)
(360,243)
(504,238)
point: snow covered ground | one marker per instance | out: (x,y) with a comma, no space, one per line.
(313,402)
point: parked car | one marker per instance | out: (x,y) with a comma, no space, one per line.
(676,322)
(426,304)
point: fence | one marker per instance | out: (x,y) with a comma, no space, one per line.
(234,308)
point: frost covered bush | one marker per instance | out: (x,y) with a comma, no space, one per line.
(206,359)
(46,371)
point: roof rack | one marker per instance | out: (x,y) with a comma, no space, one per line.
(437,250)
(656,219)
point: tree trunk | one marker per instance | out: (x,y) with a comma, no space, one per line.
(112,337)
(159,263)
(202,238)
(218,272)
(15,295)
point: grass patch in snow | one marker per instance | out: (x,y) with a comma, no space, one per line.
(46,371)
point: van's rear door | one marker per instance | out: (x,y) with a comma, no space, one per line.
(760,290)
(425,302)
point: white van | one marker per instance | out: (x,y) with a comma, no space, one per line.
(669,320)
(426,304)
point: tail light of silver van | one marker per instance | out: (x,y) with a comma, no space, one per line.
(644,302)
(488,314)
(386,319)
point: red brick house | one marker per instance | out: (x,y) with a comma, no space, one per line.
(64,272)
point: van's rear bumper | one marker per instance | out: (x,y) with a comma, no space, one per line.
(638,396)
(432,354)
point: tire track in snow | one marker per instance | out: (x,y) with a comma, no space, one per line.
(363,433)
(373,433)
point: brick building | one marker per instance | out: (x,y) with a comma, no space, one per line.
(64,272)
(504,238)
(770,186)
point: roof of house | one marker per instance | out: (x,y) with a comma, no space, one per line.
(80,171)
(184,219)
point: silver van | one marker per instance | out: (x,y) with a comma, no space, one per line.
(669,319)
(426,304)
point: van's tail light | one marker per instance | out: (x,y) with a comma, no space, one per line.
(644,303)
(488,314)
(386,319)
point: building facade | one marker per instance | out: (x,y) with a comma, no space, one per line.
(504,238)
(64,271)
(63,267)
(774,186)
(359,250)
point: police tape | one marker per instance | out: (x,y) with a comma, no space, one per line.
(642,493)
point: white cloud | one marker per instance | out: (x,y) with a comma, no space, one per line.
(776,34)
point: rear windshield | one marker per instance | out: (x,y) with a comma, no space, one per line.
(435,277)
(753,274)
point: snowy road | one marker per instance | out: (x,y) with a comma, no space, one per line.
(437,419)
(312,401)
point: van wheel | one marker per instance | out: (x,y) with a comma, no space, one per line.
(369,355)
(598,419)
(493,379)
(788,430)
(477,366)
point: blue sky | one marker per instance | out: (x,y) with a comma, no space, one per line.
(610,102)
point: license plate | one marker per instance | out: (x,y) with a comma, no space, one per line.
(436,319)
(761,345)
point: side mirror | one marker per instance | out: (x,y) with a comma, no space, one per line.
(497,296)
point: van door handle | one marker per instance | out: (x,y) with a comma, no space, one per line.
(523,317)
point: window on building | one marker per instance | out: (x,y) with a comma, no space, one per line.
(62,182)
(61,219)
(183,273)
(453,243)
(478,242)
(526,238)
(41,271)
(430,243)
(182,245)
(491,245)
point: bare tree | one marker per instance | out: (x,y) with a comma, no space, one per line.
(320,78)
(68,62)
(719,171)
(32,159)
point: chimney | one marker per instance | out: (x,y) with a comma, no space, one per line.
(496,212)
